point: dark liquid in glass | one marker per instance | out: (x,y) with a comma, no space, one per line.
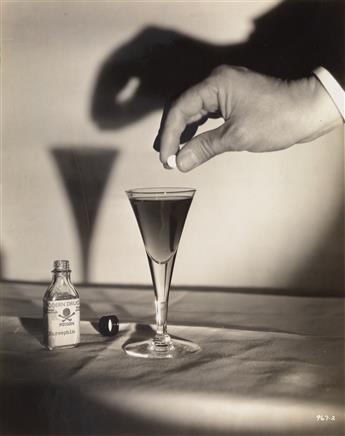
(161,222)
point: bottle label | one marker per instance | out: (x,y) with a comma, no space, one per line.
(62,322)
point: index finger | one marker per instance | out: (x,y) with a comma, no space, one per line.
(190,107)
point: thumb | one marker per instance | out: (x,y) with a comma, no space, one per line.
(200,149)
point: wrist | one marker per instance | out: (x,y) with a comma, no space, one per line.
(319,114)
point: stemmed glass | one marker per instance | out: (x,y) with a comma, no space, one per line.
(161,214)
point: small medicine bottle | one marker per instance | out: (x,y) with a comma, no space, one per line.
(61,309)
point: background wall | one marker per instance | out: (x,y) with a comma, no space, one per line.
(271,220)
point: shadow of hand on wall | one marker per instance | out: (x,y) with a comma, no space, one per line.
(156,65)
(145,73)
(84,172)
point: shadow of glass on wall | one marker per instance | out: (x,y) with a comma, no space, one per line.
(84,172)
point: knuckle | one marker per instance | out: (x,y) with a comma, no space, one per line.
(228,71)
(220,70)
(239,68)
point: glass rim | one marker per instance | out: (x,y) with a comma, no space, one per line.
(160,190)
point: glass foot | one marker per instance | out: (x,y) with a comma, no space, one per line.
(148,350)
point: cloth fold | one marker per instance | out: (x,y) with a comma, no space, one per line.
(269,365)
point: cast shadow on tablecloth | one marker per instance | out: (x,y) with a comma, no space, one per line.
(50,410)
(33,326)
(141,332)
(66,398)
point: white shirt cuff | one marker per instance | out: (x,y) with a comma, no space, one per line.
(333,88)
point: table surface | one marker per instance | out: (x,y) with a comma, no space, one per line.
(269,365)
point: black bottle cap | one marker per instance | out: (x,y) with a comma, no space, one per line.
(108,325)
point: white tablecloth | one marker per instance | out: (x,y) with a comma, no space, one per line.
(269,365)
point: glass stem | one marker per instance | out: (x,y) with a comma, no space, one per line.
(161,277)
(161,309)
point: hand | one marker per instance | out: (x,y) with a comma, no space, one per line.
(260,114)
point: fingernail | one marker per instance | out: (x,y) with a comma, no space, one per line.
(188,160)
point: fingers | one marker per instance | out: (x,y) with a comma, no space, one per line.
(157,141)
(188,132)
(190,107)
(200,149)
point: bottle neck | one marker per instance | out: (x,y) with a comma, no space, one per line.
(61,276)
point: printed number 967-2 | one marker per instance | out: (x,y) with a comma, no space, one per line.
(325,418)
